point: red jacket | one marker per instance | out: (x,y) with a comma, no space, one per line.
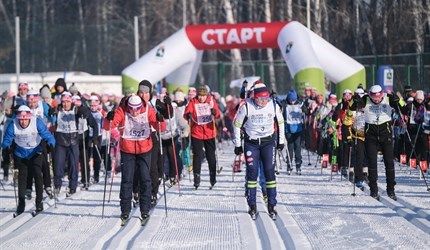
(134,146)
(202,131)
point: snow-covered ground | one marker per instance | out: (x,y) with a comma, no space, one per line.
(314,212)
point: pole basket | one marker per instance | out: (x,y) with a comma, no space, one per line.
(334,167)
(403,159)
(413,163)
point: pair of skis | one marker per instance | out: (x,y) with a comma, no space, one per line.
(143,220)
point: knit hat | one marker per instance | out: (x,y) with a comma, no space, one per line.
(45,92)
(145,87)
(61,82)
(73,89)
(202,91)
(134,102)
(24,112)
(32,96)
(260,90)
(408,88)
(419,95)
(66,96)
(292,96)
(332,97)
(23,85)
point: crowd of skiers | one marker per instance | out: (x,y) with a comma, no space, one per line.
(60,132)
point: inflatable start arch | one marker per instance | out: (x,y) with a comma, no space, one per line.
(308,56)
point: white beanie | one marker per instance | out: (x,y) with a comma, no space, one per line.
(419,95)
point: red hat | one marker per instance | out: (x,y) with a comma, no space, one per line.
(260,90)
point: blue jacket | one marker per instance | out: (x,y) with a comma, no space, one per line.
(23,152)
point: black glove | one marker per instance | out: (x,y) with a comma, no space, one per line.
(167,100)
(213,111)
(96,142)
(273,94)
(51,149)
(238,150)
(159,117)
(110,115)
(52,111)
(185,142)
(189,116)
(280,146)
(393,98)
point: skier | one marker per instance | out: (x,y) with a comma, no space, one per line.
(257,116)
(98,115)
(421,141)
(135,123)
(377,115)
(24,135)
(40,109)
(293,129)
(66,135)
(201,112)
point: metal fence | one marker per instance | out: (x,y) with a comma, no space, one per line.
(409,69)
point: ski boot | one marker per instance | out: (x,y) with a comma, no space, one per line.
(28,194)
(298,170)
(39,208)
(359,184)
(125,217)
(71,192)
(154,200)
(57,191)
(272,211)
(20,208)
(48,191)
(375,195)
(144,219)
(289,170)
(344,172)
(212,185)
(253,211)
(172,182)
(392,195)
(135,199)
(96,180)
(196,181)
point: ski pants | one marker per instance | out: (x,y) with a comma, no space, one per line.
(209,146)
(168,151)
(345,147)
(135,164)
(358,159)
(46,172)
(264,152)
(380,135)
(156,166)
(71,154)
(261,178)
(34,165)
(97,162)
(294,149)
(84,154)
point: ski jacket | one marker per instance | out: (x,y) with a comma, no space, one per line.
(67,124)
(27,140)
(202,121)
(135,132)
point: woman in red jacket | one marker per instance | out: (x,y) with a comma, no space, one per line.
(201,112)
(135,121)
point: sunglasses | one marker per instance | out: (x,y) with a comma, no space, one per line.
(263,99)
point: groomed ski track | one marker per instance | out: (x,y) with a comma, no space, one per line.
(314,212)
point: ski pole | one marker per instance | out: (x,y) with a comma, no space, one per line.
(219,169)
(14,175)
(85,158)
(49,156)
(107,155)
(162,177)
(174,150)
(113,170)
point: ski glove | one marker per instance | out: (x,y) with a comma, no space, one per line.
(213,111)
(189,116)
(159,117)
(96,143)
(110,115)
(280,146)
(52,111)
(167,100)
(238,150)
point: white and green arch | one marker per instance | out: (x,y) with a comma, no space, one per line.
(309,57)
